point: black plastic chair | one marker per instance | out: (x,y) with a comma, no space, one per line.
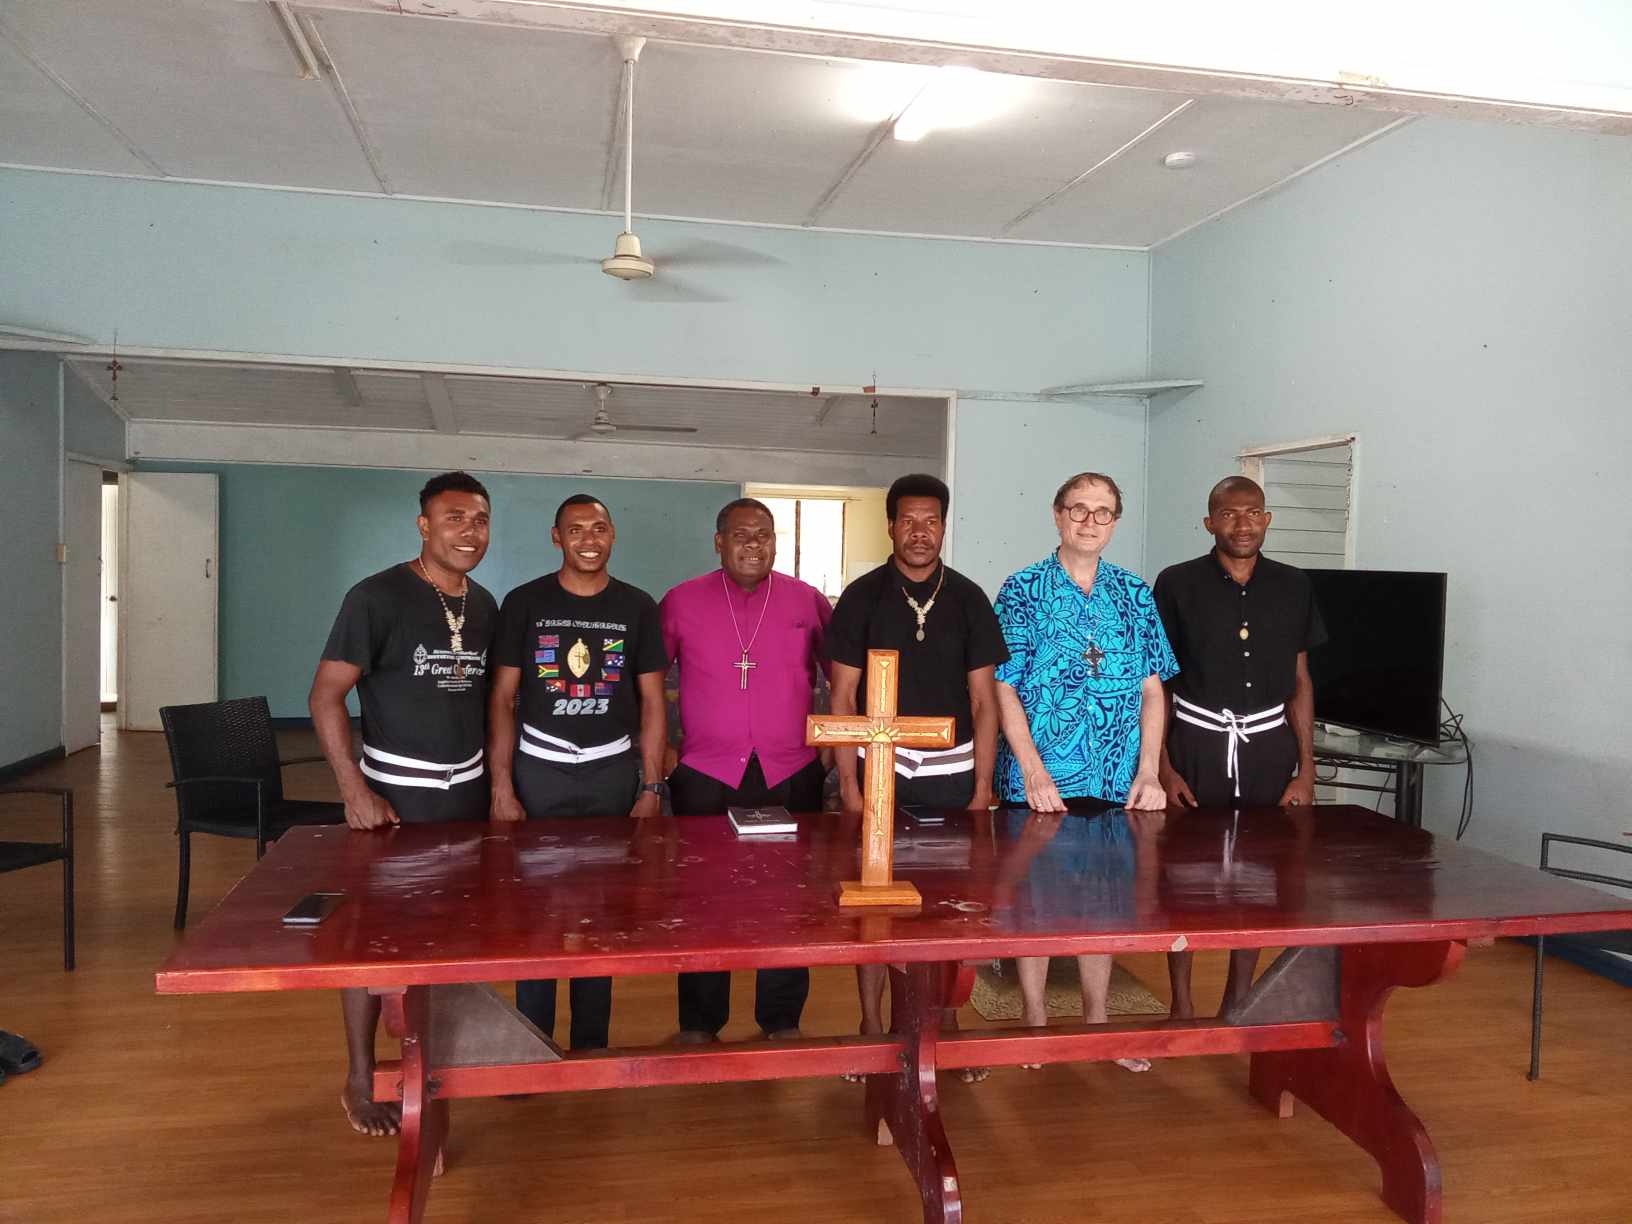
(1605,941)
(229,780)
(15,855)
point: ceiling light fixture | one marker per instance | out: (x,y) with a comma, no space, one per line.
(955,98)
(1181,160)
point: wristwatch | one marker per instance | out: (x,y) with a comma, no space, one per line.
(660,789)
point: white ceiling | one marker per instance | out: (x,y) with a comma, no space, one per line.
(211,90)
(223,393)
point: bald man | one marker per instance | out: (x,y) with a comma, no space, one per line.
(1241,725)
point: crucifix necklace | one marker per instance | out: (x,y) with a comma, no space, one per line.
(1094,656)
(456,624)
(921,610)
(744,665)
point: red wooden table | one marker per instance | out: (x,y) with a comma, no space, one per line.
(1361,904)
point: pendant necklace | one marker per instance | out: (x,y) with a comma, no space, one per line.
(744,664)
(456,624)
(922,610)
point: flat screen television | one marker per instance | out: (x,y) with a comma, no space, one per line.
(1383,662)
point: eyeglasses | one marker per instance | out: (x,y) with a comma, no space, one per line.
(1079,513)
(1229,517)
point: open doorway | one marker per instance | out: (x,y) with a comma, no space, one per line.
(825,535)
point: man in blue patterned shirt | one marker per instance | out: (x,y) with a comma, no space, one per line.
(1081,697)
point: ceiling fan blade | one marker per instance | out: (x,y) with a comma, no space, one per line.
(496,255)
(706,252)
(678,429)
(661,290)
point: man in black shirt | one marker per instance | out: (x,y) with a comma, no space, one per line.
(1241,730)
(950,644)
(412,640)
(585,653)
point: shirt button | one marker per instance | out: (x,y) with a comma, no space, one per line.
(1246,654)
(1249,683)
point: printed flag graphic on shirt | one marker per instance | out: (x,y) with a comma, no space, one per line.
(605,690)
(554,686)
(611,645)
(549,639)
(611,675)
(544,656)
(578,690)
(612,660)
(548,671)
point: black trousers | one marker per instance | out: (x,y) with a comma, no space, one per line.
(779,994)
(1264,765)
(936,790)
(550,790)
(432,804)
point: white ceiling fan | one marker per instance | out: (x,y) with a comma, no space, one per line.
(626,262)
(603,426)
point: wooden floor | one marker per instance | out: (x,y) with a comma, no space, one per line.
(223,1108)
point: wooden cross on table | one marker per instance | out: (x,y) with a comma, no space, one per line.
(881,731)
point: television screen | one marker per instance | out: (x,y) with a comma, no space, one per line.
(1383,661)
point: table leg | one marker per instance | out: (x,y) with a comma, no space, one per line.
(905,1108)
(424,1128)
(1349,1085)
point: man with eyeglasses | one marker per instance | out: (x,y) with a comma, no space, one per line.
(1241,731)
(1081,703)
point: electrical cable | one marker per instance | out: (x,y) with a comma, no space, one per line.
(1451,728)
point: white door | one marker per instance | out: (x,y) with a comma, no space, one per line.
(82,606)
(110,592)
(167,595)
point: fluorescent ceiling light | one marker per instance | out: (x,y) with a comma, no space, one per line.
(959,98)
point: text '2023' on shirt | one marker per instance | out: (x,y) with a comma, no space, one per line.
(579,656)
(421,699)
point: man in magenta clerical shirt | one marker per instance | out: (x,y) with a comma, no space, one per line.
(749,643)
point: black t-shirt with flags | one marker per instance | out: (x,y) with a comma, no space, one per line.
(421,699)
(579,656)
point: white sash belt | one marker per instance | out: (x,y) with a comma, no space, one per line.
(1239,728)
(551,748)
(396,770)
(929,762)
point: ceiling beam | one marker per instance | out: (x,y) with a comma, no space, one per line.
(295,36)
(423,450)
(1032,210)
(342,95)
(1569,79)
(12,36)
(443,414)
(614,142)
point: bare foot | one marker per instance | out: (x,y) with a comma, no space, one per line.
(693,1037)
(868,1029)
(441,1165)
(973,1075)
(366,1115)
(1134,1064)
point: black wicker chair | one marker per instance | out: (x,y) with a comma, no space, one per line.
(15,855)
(229,780)
(1588,944)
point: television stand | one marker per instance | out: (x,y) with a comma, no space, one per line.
(1402,760)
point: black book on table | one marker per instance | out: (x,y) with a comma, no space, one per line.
(752,821)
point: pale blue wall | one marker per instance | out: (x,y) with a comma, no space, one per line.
(30,579)
(1461,296)
(88,426)
(1002,525)
(180,265)
(294,539)
(184,266)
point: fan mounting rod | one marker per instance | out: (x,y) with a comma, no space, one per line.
(626,261)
